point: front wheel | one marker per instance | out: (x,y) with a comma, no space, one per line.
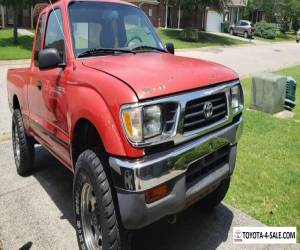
(246,36)
(231,32)
(97,224)
(213,199)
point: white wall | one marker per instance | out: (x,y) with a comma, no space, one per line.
(214,20)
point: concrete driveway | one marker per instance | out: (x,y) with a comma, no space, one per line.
(37,212)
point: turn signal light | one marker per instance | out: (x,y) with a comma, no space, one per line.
(156,193)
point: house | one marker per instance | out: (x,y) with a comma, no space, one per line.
(168,14)
(162,13)
(25,16)
(232,13)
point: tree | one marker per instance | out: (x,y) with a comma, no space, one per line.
(289,12)
(16,5)
(196,6)
(284,11)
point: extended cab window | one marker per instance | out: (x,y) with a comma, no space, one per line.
(54,35)
(38,40)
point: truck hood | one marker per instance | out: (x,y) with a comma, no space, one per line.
(156,74)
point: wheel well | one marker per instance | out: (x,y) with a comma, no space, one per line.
(85,136)
(16,104)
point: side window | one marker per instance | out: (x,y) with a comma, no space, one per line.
(54,37)
(38,41)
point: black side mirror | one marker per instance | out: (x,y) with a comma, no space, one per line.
(170,48)
(49,59)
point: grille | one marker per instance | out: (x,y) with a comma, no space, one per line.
(194,115)
(170,115)
(206,165)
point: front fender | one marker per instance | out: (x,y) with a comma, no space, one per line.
(88,104)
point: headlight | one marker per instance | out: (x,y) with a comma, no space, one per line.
(152,121)
(237,99)
(142,122)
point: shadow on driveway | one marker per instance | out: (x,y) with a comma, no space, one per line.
(194,230)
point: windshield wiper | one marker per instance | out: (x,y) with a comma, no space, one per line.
(104,51)
(147,48)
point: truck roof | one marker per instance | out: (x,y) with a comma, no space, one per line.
(105,1)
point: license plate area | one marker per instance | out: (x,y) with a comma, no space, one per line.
(204,166)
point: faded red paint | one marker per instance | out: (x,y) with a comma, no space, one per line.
(95,89)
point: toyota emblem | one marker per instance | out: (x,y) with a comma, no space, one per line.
(208,110)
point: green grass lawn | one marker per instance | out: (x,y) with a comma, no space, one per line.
(266,183)
(9,51)
(290,36)
(205,39)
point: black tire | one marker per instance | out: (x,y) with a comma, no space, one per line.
(23,146)
(246,35)
(231,32)
(298,41)
(213,199)
(90,172)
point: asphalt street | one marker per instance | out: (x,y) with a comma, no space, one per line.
(36,211)
(247,60)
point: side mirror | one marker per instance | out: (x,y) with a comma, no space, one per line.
(49,59)
(170,48)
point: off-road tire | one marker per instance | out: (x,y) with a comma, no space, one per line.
(23,146)
(213,199)
(90,171)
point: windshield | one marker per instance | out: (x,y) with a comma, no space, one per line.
(99,25)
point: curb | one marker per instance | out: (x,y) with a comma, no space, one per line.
(15,62)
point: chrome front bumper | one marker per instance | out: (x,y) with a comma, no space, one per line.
(139,175)
(132,178)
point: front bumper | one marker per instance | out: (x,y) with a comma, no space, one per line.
(133,177)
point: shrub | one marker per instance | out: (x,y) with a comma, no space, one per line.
(265,30)
(190,34)
(226,27)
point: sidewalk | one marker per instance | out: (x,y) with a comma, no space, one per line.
(253,41)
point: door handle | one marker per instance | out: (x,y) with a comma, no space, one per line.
(39,84)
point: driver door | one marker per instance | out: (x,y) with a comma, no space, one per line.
(47,95)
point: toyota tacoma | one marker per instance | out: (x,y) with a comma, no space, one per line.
(146,133)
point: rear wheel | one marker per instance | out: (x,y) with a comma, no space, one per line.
(246,36)
(97,224)
(23,146)
(231,32)
(213,199)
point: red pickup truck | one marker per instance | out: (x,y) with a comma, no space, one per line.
(146,133)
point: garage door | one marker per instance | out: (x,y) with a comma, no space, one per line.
(214,20)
